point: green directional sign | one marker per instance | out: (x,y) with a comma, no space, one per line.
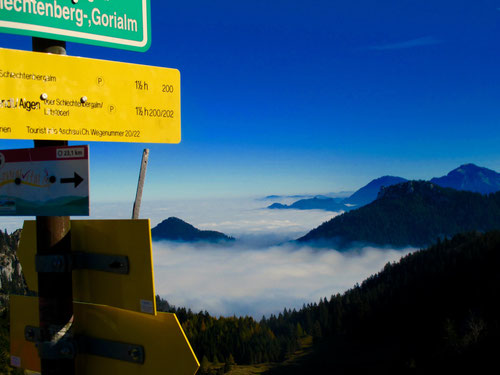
(121,24)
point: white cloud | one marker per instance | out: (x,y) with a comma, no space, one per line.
(238,217)
(244,218)
(260,273)
(417,42)
(240,279)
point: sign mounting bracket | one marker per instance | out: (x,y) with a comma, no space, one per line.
(80,344)
(81,260)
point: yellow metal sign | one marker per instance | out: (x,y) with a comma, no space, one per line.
(166,348)
(132,238)
(44,96)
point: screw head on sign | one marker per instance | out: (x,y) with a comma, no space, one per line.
(134,354)
(83,99)
(66,351)
(44,96)
(57,263)
(30,334)
(75,1)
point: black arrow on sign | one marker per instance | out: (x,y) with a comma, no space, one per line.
(76,180)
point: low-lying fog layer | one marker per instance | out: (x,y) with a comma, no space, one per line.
(245,280)
(260,273)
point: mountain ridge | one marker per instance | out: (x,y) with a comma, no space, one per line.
(470,177)
(467,177)
(175,229)
(414,213)
(368,193)
(318,202)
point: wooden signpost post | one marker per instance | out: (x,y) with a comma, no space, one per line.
(55,290)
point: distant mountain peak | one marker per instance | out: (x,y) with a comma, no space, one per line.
(469,168)
(370,191)
(176,220)
(472,178)
(320,202)
(386,178)
(175,229)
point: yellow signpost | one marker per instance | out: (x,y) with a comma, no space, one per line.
(54,97)
(50,97)
(166,349)
(133,290)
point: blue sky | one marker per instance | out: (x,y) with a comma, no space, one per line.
(284,96)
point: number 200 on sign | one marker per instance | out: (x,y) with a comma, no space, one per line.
(167,88)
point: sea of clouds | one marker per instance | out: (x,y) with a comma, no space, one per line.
(245,280)
(260,273)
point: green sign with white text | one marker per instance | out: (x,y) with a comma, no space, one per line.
(123,24)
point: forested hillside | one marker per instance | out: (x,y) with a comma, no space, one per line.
(435,310)
(414,213)
(239,340)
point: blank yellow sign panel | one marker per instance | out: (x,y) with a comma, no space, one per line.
(132,238)
(46,96)
(166,348)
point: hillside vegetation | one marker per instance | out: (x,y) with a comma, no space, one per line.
(414,213)
(435,310)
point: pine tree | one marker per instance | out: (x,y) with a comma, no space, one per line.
(204,365)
